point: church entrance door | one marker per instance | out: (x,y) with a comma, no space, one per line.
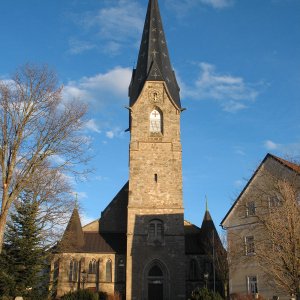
(155,291)
(155,284)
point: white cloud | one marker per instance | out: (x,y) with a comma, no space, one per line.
(231,92)
(100,178)
(86,219)
(100,89)
(218,3)
(92,125)
(239,151)
(182,7)
(110,28)
(270,145)
(81,195)
(57,159)
(110,134)
(115,132)
(78,46)
(285,150)
(239,183)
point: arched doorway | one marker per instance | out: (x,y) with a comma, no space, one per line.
(155,283)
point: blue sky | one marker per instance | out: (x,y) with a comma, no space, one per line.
(237,62)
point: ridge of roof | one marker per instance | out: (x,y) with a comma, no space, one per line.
(293,166)
(153,60)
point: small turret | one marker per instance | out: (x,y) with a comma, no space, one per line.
(73,238)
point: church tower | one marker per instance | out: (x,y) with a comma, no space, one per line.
(155,227)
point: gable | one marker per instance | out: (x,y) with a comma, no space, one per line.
(92,226)
(271,164)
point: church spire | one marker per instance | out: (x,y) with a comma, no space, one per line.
(73,237)
(153,61)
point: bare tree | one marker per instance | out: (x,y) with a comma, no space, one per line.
(273,228)
(215,247)
(39,138)
(279,254)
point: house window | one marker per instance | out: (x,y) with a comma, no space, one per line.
(155,122)
(121,270)
(250,209)
(298,198)
(252,285)
(73,270)
(93,267)
(156,231)
(274,201)
(108,271)
(249,241)
(193,272)
(55,271)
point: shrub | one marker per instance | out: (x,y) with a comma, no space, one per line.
(204,294)
(81,295)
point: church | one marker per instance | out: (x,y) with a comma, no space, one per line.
(141,247)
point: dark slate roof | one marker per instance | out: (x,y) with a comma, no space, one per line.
(193,241)
(153,61)
(207,223)
(104,243)
(114,216)
(95,242)
(73,236)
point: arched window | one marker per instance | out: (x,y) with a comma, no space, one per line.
(155,121)
(155,271)
(73,270)
(156,231)
(193,272)
(108,271)
(121,270)
(93,266)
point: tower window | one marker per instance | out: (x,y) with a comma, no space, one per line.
(155,121)
(155,177)
(155,231)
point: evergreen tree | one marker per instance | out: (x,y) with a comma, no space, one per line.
(22,263)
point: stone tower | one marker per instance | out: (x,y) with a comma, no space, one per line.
(155,228)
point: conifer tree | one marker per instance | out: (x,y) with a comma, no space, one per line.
(22,262)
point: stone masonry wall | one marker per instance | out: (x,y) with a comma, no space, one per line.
(155,192)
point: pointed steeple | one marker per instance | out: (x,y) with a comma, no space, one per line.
(73,238)
(153,62)
(207,223)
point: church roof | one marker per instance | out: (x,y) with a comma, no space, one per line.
(104,243)
(153,61)
(207,223)
(73,237)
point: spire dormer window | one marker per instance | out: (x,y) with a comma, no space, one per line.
(155,121)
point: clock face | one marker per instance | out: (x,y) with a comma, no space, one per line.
(155,121)
(155,96)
